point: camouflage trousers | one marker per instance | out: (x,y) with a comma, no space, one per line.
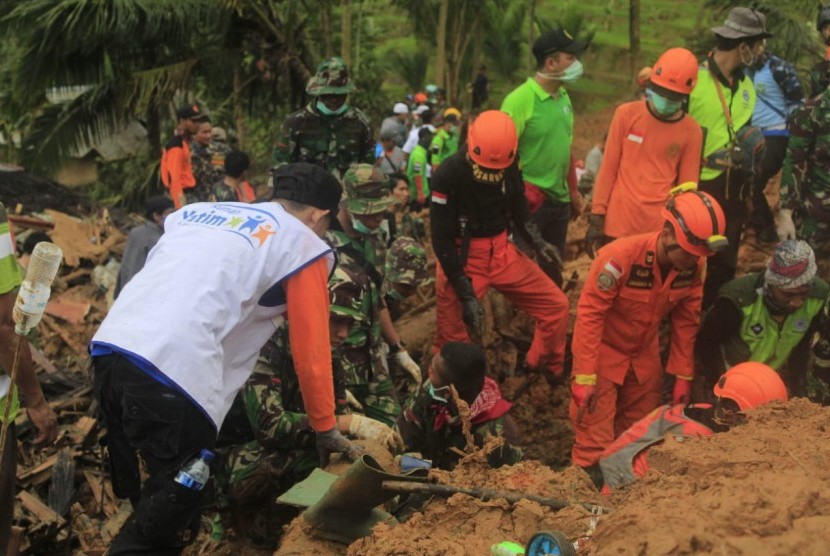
(249,473)
(379,400)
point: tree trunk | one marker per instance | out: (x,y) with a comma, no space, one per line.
(441,44)
(346,32)
(237,108)
(633,35)
(325,24)
(356,68)
(532,12)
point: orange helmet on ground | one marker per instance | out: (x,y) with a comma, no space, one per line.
(697,219)
(420,98)
(751,384)
(492,140)
(675,71)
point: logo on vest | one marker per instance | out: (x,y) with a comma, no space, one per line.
(745,96)
(757,328)
(801,325)
(253,225)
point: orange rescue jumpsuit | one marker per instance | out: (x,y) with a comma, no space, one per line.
(616,338)
(177,169)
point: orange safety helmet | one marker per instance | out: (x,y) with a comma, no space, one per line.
(492,140)
(751,384)
(676,71)
(697,219)
(420,98)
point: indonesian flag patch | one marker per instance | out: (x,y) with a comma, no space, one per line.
(440,198)
(614,268)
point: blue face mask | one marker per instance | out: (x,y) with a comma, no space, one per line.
(662,105)
(324,110)
(438,394)
(361,228)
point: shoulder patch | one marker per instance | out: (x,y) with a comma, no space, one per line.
(606,281)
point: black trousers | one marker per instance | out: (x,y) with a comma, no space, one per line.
(553,219)
(144,417)
(775,149)
(731,194)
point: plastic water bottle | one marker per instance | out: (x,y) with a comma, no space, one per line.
(195,474)
(34,292)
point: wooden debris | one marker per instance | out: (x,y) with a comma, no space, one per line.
(73,344)
(68,309)
(36,507)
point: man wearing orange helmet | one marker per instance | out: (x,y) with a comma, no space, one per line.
(652,146)
(477,198)
(743,387)
(633,283)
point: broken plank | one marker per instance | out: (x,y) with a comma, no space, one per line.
(31,222)
(67,338)
(67,309)
(82,428)
(35,506)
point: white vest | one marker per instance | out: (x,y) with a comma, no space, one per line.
(198,310)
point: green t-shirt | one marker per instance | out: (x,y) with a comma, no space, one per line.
(417,166)
(10,277)
(545,125)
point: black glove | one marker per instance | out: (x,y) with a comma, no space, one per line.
(332,441)
(472,313)
(595,236)
(547,255)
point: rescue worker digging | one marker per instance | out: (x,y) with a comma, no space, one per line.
(476,195)
(633,283)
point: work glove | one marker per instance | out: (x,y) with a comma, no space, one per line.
(786,226)
(547,255)
(682,393)
(403,360)
(584,392)
(595,236)
(364,428)
(352,401)
(472,313)
(331,441)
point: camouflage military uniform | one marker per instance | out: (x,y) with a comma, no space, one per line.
(406,263)
(805,178)
(283,451)
(333,142)
(208,167)
(418,427)
(366,374)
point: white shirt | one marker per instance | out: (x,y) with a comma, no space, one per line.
(210,296)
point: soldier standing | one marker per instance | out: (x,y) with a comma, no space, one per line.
(328,131)
(208,158)
(805,179)
(359,237)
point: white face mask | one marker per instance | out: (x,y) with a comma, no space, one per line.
(568,75)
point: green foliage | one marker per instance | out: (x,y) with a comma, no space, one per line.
(503,40)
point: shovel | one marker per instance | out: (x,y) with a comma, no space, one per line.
(344,508)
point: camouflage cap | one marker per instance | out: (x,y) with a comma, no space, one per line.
(406,263)
(367,190)
(345,295)
(332,78)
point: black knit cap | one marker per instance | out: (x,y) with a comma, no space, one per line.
(308,184)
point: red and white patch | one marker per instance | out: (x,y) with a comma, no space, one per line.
(614,268)
(635,137)
(440,198)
